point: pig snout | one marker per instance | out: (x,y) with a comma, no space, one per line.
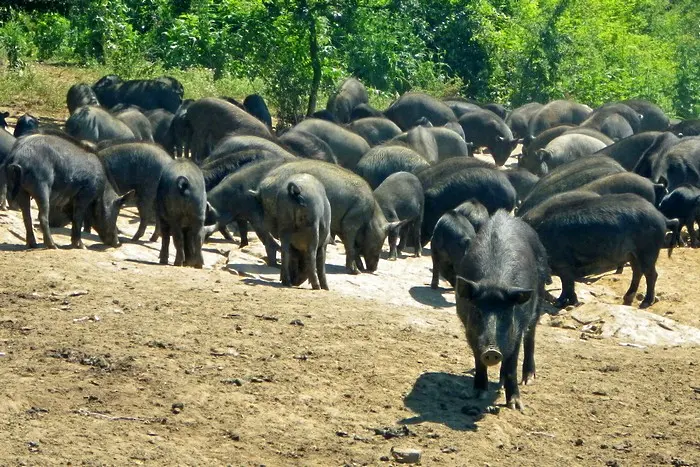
(491,356)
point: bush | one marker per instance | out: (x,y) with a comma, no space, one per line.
(509,51)
(50,33)
(16,39)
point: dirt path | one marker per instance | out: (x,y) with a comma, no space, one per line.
(99,348)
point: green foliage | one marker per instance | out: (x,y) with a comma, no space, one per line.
(16,39)
(510,51)
(50,32)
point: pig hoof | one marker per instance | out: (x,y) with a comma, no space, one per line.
(164,261)
(647,303)
(51,246)
(564,302)
(627,299)
(528,378)
(515,403)
(391,258)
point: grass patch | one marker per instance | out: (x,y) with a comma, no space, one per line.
(40,88)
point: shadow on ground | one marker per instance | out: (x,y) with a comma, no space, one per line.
(427,296)
(446,399)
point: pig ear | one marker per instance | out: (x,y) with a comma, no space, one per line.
(183,184)
(119,202)
(466,288)
(517,295)
(543,155)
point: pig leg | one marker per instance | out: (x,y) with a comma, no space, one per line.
(691,233)
(156,232)
(416,237)
(648,266)
(393,237)
(311,260)
(23,201)
(42,202)
(403,239)
(321,267)
(568,291)
(285,273)
(145,210)
(223,230)
(165,242)
(529,353)
(243,232)
(436,272)
(348,238)
(79,210)
(271,246)
(481,379)
(179,242)
(3,191)
(634,285)
(509,370)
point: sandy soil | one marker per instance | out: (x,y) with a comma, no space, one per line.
(108,358)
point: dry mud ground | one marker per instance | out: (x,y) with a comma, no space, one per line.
(107,357)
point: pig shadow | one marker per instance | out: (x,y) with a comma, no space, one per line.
(271,283)
(13,246)
(427,296)
(252,269)
(446,398)
(336,269)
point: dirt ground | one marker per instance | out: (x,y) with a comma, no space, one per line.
(107,357)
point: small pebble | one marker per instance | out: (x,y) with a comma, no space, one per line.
(406,456)
(178,407)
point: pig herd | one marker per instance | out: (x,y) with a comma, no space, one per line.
(593,190)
